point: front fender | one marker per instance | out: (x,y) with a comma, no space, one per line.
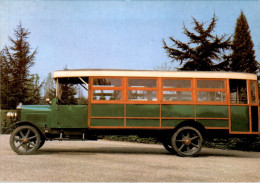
(21,123)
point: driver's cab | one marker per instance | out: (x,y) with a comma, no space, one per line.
(69,108)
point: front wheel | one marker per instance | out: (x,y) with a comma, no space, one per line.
(187,141)
(25,140)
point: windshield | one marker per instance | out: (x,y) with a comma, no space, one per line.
(72,91)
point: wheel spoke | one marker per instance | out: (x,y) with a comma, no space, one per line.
(27,134)
(19,145)
(194,137)
(21,133)
(26,147)
(195,145)
(188,135)
(183,137)
(181,147)
(182,140)
(33,137)
(18,139)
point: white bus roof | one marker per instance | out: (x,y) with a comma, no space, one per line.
(152,73)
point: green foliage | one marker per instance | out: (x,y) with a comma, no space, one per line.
(165,66)
(81,99)
(5,82)
(16,61)
(102,95)
(4,121)
(34,90)
(244,144)
(132,138)
(68,94)
(243,56)
(202,50)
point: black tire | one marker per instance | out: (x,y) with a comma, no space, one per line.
(25,140)
(187,141)
(168,146)
(42,142)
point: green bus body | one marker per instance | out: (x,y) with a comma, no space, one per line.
(176,124)
(75,116)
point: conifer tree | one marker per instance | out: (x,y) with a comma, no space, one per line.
(68,93)
(34,90)
(17,60)
(203,52)
(5,84)
(243,56)
(49,87)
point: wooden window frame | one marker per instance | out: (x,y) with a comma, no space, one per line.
(177,89)
(212,90)
(157,89)
(107,88)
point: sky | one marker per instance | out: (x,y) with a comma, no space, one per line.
(115,34)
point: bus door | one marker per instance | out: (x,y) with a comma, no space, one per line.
(243,106)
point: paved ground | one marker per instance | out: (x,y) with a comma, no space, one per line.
(120,161)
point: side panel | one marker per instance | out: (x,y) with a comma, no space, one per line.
(38,114)
(143,122)
(254,118)
(106,115)
(107,122)
(212,111)
(178,111)
(107,110)
(171,122)
(240,118)
(142,110)
(69,116)
(214,122)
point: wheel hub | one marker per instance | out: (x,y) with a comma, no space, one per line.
(187,141)
(25,140)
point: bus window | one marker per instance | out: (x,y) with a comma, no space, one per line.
(211,96)
(107,89)
(144,83)
(107,82)
(238,91)
(210,84)
(172,83)
(142,95)
(107,95)
(177,90)
(177,96)
(211,91)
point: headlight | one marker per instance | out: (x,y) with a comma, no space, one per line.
(11,115)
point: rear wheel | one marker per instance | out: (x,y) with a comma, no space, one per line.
(187,141)
(25,140)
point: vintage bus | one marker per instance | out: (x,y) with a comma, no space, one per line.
(179,108)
